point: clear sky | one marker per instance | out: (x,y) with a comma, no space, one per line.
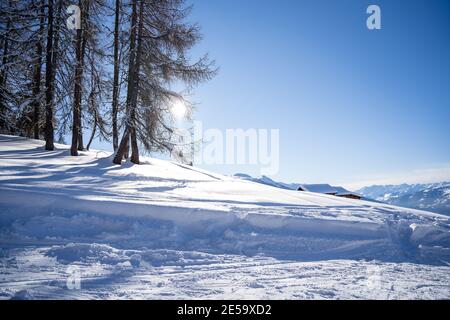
(353,106)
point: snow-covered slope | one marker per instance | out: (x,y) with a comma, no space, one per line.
(123,222)
(433,197)
(323,188)
(268,181)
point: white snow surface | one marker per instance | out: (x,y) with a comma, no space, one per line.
(164,230)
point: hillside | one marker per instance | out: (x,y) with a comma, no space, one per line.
(127,229)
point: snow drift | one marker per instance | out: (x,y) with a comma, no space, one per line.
(53,198)
(165,230)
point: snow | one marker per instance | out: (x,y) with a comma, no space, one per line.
(167,274)
(433,196)
(317,188)
(268,181)
(166,230)
(320,188)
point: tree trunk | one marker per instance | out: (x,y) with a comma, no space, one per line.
(137,67)
(3,76)
(80,146)
(126,154)
(77,96)
(80,47)
(84,19)
(124,145)
(55,56)
(37,76)
(48,82)
(115,95)
(92,108)
(93,131)
(5,53)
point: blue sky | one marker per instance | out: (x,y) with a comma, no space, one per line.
(353,106)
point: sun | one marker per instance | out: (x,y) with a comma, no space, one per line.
(179,109)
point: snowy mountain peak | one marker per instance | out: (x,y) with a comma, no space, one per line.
(431,196)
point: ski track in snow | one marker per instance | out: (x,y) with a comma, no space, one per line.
(31,273)
(164,230)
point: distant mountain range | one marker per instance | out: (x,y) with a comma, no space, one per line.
(433,197)
(267,181)
(318,188)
